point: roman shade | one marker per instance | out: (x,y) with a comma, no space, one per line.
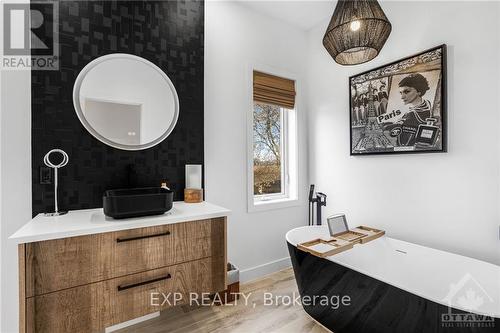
(274,90)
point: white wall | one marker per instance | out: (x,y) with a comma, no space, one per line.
(15,195)
(448,201)
(15,179)
(237,37)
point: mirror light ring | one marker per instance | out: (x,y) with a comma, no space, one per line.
(97,135)
(65,160)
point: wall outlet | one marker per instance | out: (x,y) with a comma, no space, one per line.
(45,175)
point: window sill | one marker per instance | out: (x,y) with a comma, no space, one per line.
(259,206)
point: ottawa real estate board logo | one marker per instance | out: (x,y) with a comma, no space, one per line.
(30,36)
(469,295)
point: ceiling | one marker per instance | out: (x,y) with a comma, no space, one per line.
(303,14)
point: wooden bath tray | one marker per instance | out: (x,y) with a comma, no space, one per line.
(350,236)
(340,242)
(371,233)
(324,248)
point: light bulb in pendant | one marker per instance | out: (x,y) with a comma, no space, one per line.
(355,25)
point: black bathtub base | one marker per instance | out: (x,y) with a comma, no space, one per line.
(375,306)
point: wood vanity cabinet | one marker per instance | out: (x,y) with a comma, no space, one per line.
(87,283)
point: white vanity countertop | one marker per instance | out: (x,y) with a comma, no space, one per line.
(93,221)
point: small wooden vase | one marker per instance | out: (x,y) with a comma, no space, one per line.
(193,195)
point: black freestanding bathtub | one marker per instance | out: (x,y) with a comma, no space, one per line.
(395,286)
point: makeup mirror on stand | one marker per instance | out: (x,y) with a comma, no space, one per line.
(50,164)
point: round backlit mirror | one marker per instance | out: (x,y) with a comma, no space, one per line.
(126,101)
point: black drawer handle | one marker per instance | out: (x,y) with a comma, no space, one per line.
(133,285)
(120,240)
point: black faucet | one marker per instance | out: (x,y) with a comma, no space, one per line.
(320,200)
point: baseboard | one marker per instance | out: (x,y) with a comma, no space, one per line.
(256,272)
(131,322)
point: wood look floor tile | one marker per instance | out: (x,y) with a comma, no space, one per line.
(238,318)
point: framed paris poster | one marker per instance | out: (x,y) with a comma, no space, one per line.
(400,107)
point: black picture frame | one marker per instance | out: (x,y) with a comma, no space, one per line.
(383,138)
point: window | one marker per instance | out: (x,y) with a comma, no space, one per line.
(269,151)
(272,169)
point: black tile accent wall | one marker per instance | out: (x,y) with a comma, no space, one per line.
(167,33)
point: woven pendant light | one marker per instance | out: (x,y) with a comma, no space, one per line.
(357,31)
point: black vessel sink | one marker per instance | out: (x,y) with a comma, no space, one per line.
(136,202)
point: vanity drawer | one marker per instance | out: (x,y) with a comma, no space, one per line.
(138,250)
(92,307)
(98,257)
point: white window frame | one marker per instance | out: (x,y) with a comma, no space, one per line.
(289,143)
